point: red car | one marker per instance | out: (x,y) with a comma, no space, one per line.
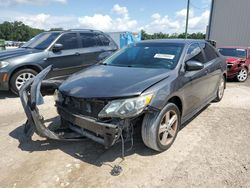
(238,60)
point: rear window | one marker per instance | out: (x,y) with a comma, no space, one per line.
(233,52)
(105,40)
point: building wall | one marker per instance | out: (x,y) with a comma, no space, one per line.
(230,22)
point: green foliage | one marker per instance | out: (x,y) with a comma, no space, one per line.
(146,36)
(17,31)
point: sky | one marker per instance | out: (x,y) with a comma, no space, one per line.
(167,16)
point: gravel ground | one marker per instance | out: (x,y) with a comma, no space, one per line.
(213,150)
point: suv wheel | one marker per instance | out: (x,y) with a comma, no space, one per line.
(159,133)
(242,75)
(19,79)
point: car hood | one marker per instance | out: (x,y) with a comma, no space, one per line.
(104,81)
(234,59)
(6,54)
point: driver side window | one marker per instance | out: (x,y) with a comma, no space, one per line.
(69,41)
(194,53)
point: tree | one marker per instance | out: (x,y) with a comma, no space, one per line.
(17,31)
(160,35)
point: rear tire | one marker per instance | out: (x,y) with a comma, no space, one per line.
(159,131)
(19,78)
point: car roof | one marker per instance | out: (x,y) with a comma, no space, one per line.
(236,47)
(74,30)
(177,41)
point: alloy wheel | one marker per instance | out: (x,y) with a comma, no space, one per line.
(22,79)
(168,127)
(221,88)
(242,75)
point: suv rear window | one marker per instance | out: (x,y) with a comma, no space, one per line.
(105,40)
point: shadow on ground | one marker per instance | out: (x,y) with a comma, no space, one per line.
(7,94)
(86,150)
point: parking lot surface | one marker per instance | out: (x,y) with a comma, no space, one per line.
(212,150)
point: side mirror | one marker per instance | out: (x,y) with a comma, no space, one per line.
(193,65)
(57,47)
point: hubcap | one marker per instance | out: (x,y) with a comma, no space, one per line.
(22,78)
(168,127)
(242,75)
(221,88)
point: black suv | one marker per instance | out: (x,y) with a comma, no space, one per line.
(67,51)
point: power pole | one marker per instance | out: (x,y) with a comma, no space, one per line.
(187,17)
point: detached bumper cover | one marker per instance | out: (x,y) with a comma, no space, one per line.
(104,133)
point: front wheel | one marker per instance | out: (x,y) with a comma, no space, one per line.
(220,90)
(19,78)
(159,131)
(242,75)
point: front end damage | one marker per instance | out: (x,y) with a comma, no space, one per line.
(73,125)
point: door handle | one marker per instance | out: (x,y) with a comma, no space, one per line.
(77,54)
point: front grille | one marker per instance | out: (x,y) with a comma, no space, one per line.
(86,107)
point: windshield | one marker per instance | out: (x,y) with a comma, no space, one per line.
(162,56)
(41,41)
(233,52)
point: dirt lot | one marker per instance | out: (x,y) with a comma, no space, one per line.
(213,150)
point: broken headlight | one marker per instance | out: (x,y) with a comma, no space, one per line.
(125,108)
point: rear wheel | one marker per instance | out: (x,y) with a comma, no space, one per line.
(242,75)
(159,133)
(20,78)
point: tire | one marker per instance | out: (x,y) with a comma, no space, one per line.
(154,134)
(19,78)
(242,75)
(220,90)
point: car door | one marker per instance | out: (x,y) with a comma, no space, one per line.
(195,89)
(67,60)
(213,67)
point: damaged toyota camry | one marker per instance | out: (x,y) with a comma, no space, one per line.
(155,85)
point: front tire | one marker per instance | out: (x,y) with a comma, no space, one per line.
(242,75)
(159,131)
(221,89)
(20,78)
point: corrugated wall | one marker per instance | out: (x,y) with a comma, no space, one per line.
(230,24)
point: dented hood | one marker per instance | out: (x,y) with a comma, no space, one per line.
(104,81)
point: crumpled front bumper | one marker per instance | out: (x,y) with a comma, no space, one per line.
(30,95)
